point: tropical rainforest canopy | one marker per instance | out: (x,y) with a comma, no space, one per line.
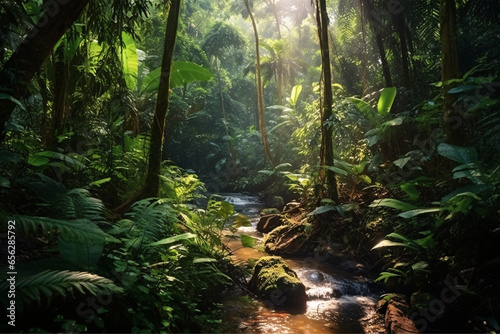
(120,122)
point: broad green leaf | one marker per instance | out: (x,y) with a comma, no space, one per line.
(365,178)
(37,160)
(247,241)
(182,74)
(294,97)
(186,72)
(322,209)
(386,100)
(4,96)
(337,170)
(173,239)
(416,212)
(365,108)
(388,243)
(410,190)
(151,81)
(462,155)
(427,242)
(401,162)
(393,203)
(130,61)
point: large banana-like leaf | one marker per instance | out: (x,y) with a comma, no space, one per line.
(462,155)
(130,61)
(386,100)
(182,73)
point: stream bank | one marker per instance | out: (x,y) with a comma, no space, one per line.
(338,301)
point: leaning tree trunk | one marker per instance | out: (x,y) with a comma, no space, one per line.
(17,73)
(450,70)
(326,154)
(260,92)
(152,184)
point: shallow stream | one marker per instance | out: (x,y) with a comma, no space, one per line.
(338,302)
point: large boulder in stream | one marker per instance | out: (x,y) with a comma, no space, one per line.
(277,284)
(286,240)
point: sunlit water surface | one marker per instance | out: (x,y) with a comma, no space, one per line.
(338,302)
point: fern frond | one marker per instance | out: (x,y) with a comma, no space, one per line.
(82,231)
(55,282)
(147,222)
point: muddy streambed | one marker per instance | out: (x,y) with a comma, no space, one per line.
(338,302)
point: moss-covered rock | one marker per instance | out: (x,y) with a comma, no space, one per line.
(275,282)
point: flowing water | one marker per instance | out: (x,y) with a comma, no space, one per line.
(338,302)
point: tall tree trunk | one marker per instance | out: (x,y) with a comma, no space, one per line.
(450,70)
(17,73)
(152,184)
(232,151)
(326,154)
(365,52)
(260,91)
(377,31)
(399,24)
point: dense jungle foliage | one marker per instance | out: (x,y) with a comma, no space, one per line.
(121,120)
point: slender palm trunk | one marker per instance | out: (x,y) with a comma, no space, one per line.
(326,128)
(152,184)
(260,91)
(450,70)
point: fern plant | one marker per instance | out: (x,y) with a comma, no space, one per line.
(50,283)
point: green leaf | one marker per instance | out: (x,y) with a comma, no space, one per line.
(247,241)
(37,161)
(187,72)
(392,203)
(151,81)
(365,108)
(4,96)
(401,162)
(5,183)
(462,155)
(386,100)
(416,212)
(99,182)
(173,239)
(337,170)
(130,61)
(322,209)
(204,260)
(294,97)
(410,190)
(388,243)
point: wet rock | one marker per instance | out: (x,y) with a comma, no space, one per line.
(286,240)
(275,282)
(396,316)
(353,267)
(268,223)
